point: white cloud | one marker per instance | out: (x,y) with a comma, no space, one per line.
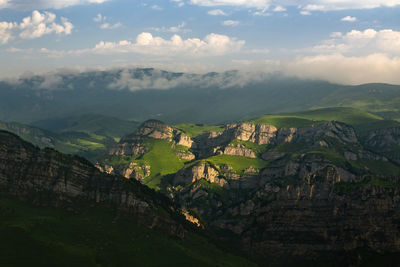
(45,4)
(128,80)
(328,5)
(217,12)
(50,81)
(279,9)
(173,29)
(40,24)
(362,42)
(306,7)
(104,24)
(3,3)
(259,4)
(305,13)
(262,13)
(35,26)
(108,26)
(354,57)
(179,2)
(156,7)
(213,44)
(231,23)
(349,19)
(99,18)
(6,31)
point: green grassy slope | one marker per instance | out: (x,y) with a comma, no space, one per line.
(40,236)
(87,135)
(91,124)
(194,130)
(381,99)
(161,158)
(359,119)
(238,163)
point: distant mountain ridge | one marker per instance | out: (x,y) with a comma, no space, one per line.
(88,135)
(211,98)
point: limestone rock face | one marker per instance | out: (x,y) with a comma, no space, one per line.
(186,155)
(155,129)
(198,172)
(208,144)
(340,131)
(260,133)
(239,150)
(128,149)
(158,130)
(183,140)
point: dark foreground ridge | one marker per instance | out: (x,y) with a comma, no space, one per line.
(57,209)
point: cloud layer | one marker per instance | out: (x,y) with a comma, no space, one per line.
(306,6)
(346,70)
(259,4)
(146,43)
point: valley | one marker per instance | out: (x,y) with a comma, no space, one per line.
(244,181)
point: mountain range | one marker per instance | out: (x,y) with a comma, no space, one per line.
(212,98)
(217,169)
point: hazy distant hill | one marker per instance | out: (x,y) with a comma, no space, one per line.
(140,94)
(85,135)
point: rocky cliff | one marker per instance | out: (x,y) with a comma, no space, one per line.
(47,177)
(385,142)
(320,192)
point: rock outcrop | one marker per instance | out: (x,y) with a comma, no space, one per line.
(136,148)
(260,134)
(384,141)
(197,172)
(158,130)
(211,143)
(238,150)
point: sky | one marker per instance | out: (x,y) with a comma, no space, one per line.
(342,41)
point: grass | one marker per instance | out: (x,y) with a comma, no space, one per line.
(291,147)
(194,130)
(345,187)
(361,120)
(89,145)
(331,155)
(91,124)
(161,157)
(381,167)
(42,236)
(210,187)
(347,115)
(238,163)
(162,161)
(283,121)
